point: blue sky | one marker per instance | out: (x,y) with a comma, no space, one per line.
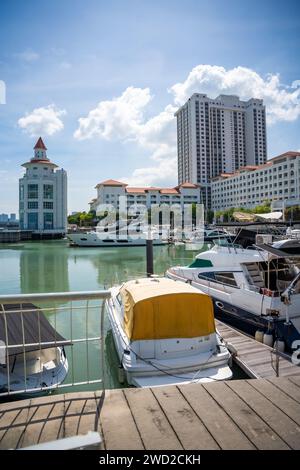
(114,66)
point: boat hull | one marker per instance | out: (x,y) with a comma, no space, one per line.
(244,319)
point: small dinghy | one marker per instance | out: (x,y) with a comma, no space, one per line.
(35,358)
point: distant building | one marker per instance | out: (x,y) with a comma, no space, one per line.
(4,218)
(217,136)
(12,217)
(108,192)
(43,194)
(277,181)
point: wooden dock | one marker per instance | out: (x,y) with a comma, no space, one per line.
(256,359)
(239,414)
(259,413)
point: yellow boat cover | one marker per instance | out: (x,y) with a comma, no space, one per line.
(163,308)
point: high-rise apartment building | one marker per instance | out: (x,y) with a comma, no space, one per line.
(217,136)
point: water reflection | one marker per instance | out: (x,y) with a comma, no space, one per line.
(43,268)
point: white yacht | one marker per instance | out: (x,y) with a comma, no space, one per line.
(253,289)
(164,333)
(123,233)
(96,239)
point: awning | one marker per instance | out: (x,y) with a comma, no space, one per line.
(275,252)
(36,329)
(162,308)
(270,216)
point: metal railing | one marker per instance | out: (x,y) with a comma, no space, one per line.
(51,341)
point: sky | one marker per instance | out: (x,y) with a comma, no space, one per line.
(100,82)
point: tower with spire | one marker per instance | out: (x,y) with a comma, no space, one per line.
(43,195)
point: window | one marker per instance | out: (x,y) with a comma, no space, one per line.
(32,221)
(48,205)
(33,191)
(48,220)
(21,221)
(33,205)
(48,191)
(21,192)
(226,278)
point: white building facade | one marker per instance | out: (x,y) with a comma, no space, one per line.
(218,136)
(109,192)
(43,194)
(277,181)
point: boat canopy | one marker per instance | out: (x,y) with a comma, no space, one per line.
(164,309)
(27,327)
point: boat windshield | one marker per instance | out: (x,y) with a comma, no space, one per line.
(225,242)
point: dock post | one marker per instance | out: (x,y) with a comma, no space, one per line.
(149,256)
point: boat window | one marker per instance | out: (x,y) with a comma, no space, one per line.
(209,276)
(83,239)
(226,278)
(122,241)
(215,233)
(201,263)
(108,241)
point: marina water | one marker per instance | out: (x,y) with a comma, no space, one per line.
(52,266)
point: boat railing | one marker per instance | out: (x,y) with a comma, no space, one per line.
(65,328)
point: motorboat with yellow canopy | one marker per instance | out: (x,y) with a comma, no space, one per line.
(164,333)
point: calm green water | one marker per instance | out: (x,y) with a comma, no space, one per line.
(55,267)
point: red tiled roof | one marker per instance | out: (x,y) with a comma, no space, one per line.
(135,190)
(153,188)
(169,191)
(289,153)
(186,184)
(111,183)
(40,144)
(248,167)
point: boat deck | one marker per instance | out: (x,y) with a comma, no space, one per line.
(256,359)
(239,414)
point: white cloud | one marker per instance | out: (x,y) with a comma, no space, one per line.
(28,55)
(123,117)
(45,121)
(118,118)
(295,84)
(282,101)
(163,174)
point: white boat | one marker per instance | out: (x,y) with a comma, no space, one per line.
(253,289)
(96,239)
(164,333)
(194,239)
(32,367)
(293,233)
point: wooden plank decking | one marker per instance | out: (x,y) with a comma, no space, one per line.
(255,358)
(240,414)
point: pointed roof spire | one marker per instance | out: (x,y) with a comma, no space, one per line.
(40,144)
